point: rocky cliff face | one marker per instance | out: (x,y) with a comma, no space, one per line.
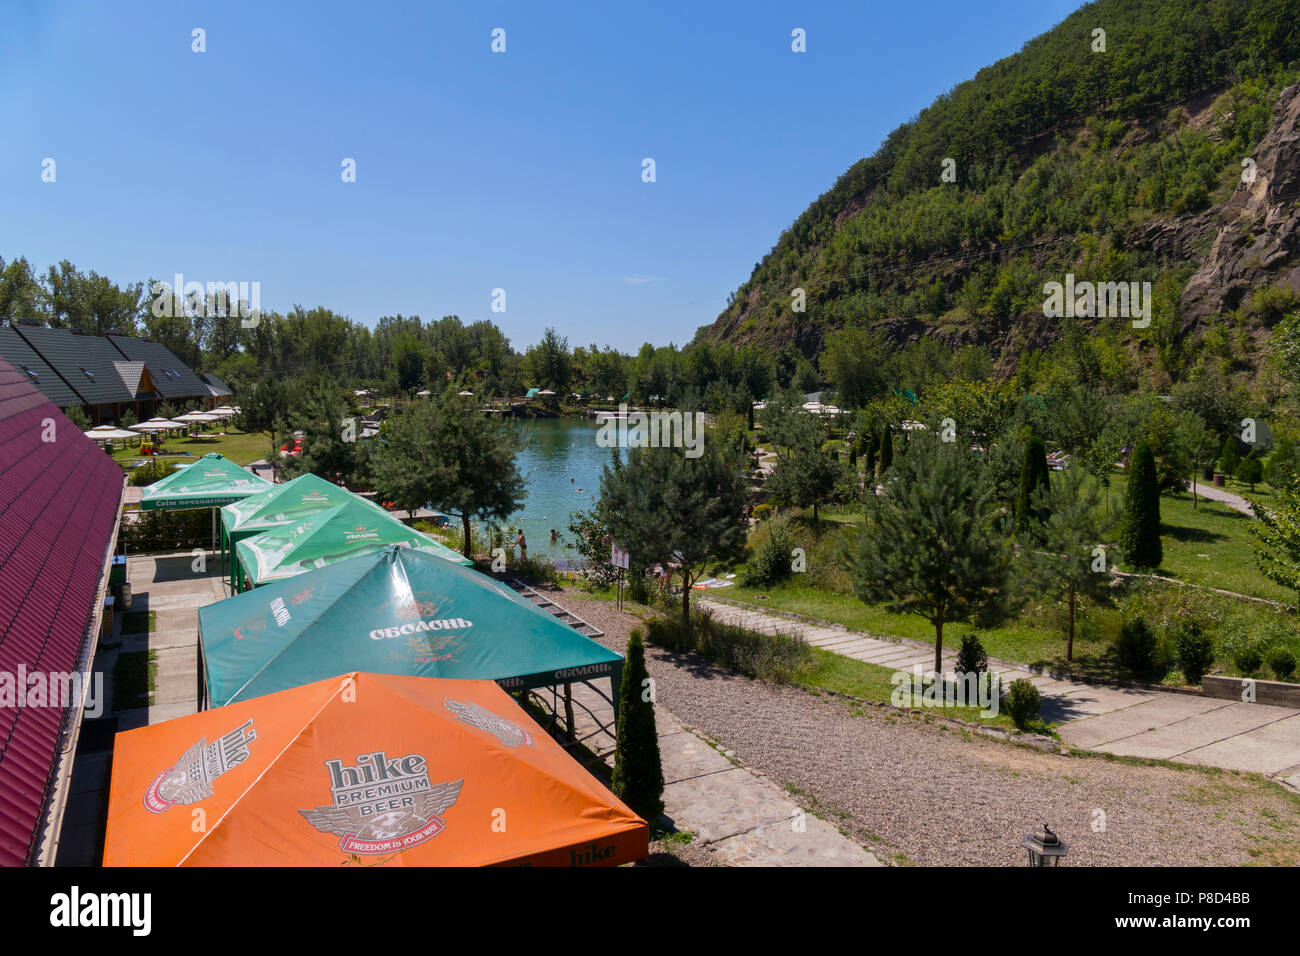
(1257,241)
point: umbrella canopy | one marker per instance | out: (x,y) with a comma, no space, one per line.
(210,482)
(546,391)
(109,433)
(395,611)
(334,534)
(153,425)
(286,504)
(363,769)
(194,417)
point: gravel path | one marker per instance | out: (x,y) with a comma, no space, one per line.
(911,791)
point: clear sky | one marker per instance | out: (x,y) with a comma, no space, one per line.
(475,170)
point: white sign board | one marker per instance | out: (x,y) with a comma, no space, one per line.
(617,557)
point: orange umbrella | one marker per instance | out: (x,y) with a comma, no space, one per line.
(362,769)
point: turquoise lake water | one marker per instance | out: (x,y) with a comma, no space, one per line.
(562,457)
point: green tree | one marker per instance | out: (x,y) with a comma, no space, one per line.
(1251,470)
(886,450)
(638,778)
(450,455)
(1061,555)
(1140,531)
(804,475)
(549,363)
(931,544)
(1229,457)
(1277,537)
(1199,442)
(331,441)
(665,508)
(1033,476)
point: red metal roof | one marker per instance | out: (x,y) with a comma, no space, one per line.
(59,502)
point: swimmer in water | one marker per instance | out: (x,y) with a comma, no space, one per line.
(555,536)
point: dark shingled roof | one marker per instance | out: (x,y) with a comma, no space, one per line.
(215,385)
(172,377)
(69,354)
(59,503)
(15,350)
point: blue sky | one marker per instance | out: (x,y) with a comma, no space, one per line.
(475,170)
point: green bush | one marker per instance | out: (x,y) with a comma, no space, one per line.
(771,562)
(1023,702)
(1195,652)
(762,512)
(778,658)
(152,471)
(1282,662)
(1247,658)
(1135,648)
(971,659)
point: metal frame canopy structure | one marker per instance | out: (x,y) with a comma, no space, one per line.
(361,769)
(334,534)
(210,482)
(395,611)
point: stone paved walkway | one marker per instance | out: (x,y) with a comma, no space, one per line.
(741,816)
(1164,725)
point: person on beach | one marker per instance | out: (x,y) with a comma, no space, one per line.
(522,545)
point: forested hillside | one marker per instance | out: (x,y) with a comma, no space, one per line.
(1117,165)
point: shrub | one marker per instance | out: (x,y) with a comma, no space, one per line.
(638,778)
(1282,662)
(971,659)
(1023,702)
(152,471)
(1195,652)
(1248,657)
(762,512)
(771,561)
(1135,648)
(778,658)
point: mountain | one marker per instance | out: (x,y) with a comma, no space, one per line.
(1115,158)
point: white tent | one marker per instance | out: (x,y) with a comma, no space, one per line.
(109,434)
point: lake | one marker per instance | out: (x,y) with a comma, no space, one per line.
(562,466)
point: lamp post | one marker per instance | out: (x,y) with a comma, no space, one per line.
(1044,846)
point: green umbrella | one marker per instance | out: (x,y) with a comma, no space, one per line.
(277,506)
(210,482)
(335,534)
(393,611)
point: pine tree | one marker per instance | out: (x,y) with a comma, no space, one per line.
(931,544)
(665,508)
(886,449)
(1033,476)
(1229,457)
(1060,556)
(638,778)
(1140,535)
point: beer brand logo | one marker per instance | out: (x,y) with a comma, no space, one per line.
(301,596)
(510,734)
(361,531)
(383,805)
(190,779)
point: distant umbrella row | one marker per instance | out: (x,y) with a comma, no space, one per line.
(112,433)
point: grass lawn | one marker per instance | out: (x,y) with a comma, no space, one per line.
(135,678)
(1209,545)
(845,675)
(1014,641)
(240,447)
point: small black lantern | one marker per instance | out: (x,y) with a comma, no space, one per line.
(1044,846)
